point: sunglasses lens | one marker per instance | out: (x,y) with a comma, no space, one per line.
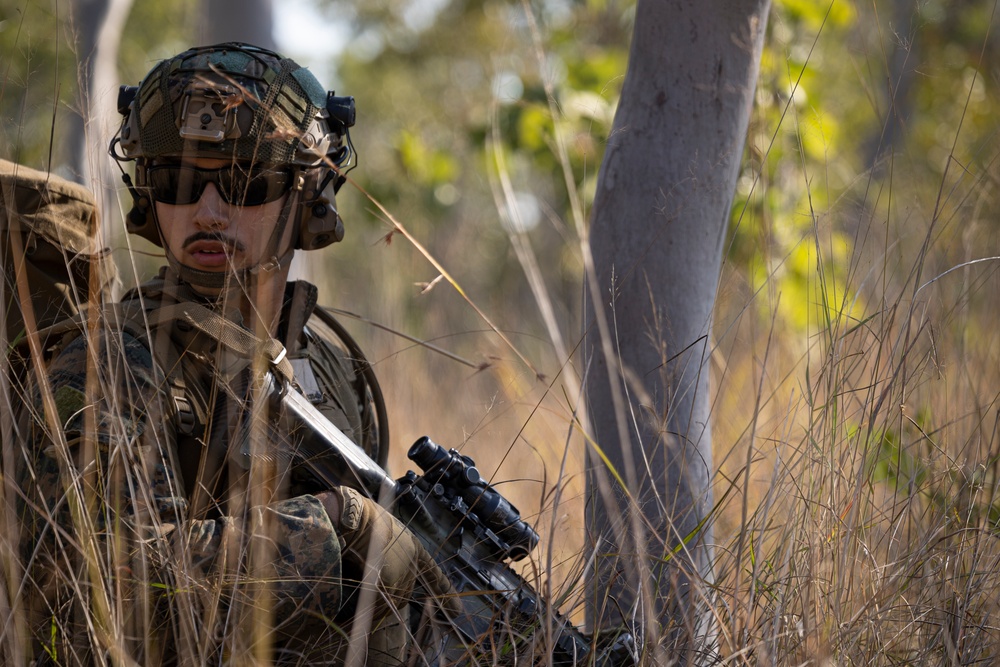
(181,185)
(257,187)
(176,185)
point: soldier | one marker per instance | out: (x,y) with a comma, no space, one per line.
(162,523)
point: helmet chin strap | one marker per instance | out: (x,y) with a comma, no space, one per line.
(230,279)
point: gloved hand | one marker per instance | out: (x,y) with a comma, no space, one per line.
(372,534)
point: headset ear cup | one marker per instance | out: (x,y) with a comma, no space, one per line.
(321,224)
(140,222)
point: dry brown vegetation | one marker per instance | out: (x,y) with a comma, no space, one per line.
(856,436)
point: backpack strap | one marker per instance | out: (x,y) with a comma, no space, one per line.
(225,332)
(123,318)
(229,334)
(140,320)
(374,400)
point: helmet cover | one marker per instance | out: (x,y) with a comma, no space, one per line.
(234,101)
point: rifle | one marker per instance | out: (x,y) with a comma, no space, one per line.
(472,532)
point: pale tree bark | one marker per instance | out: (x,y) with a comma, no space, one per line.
(98,27)
(901,75)
(659,221)
(250,21)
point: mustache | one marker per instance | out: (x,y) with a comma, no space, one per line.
(219,237)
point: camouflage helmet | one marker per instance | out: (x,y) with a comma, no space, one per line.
(241,102)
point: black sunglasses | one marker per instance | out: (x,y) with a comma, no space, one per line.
(184,184)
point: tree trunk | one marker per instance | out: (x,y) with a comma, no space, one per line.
(901,76)
(99,25)
(250,21)
(659,221)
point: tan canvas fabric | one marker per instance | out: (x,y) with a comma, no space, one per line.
(49,244)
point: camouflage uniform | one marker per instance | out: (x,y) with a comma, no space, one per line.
(162,522)
(161,529)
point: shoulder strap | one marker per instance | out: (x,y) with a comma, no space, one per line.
(138,319)
(365,370)
(228,334)
(126,317)
(132,317)
(78,323)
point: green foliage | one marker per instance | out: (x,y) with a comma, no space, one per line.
(447,110)
(893,464)
(39,78)
(40,68)
(813,15)
(799,164)
(423,164)
(848,95)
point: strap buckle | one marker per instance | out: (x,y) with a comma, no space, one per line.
(185,415)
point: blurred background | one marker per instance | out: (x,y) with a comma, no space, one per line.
(856,362)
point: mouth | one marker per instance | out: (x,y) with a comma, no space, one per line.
(212,253)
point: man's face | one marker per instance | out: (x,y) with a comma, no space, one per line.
(211,234)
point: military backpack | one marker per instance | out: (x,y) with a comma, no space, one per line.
(53,263)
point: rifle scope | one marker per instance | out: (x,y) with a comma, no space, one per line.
(459,474)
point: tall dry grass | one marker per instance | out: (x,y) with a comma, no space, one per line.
(857,459)
(865,452)
(857,456)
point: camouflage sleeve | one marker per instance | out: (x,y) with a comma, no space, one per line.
(117,425)
(99,446)
(97,491)
(306,570)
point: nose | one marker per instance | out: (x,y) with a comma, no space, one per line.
(211,211)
